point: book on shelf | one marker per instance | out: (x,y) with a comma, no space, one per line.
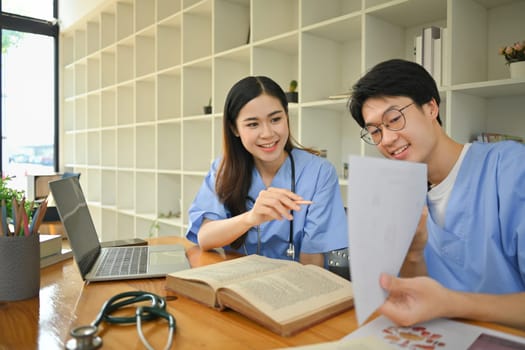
(430,34)
(281,295)
(496,137)
(49,244)
(65,253)
(340,96)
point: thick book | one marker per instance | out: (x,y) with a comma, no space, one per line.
(281,295)
(64,254)
(50,244)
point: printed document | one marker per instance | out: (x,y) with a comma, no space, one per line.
(384,205)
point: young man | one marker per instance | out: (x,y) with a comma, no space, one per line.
(467,258)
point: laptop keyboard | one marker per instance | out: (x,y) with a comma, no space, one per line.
(123,261)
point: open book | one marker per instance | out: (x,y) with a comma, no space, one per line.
(282,295)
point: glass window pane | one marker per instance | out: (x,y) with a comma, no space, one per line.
(27,105)
(31,8)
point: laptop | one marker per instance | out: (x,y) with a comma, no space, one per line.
(98,263)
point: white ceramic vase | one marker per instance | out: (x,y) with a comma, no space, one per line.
(517,70)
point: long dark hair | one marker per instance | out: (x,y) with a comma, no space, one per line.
(234,175)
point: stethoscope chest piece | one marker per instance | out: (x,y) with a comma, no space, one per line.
(84,338)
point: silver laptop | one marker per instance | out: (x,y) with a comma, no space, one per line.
(112,263)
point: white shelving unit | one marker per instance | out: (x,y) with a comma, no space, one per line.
(137,73)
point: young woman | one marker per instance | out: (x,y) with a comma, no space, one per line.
(266,195)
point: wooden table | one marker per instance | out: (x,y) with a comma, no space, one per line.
(66,302)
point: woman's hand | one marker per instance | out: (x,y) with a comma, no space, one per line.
(274,204)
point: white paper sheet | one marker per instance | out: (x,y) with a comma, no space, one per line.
(385,201)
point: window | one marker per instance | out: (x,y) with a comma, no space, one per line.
(29,86)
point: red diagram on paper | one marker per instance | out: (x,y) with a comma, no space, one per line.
(416,338)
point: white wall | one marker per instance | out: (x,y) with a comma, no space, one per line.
(70,11)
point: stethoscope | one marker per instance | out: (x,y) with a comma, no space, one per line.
(85,337)
(290,251)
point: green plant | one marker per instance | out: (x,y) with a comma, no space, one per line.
(293,86)
(513,53)
(7,194)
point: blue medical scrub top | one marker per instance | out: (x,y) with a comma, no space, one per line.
(318,227)
(481,247)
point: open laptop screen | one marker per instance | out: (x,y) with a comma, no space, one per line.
(77,221)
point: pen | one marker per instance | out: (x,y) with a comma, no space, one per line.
(303,202)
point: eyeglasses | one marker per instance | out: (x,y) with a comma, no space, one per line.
(393,120)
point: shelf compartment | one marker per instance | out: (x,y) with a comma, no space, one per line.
(124,19)
(196,36)
(167,8)
(145,147)
(80,44)
(80,79)
(169,43)
(145,53)
(125,148)
(109,230)
(93,111)
(94,182)
(108,110)
(315,11)
(68,116)
(279,60)
(107,58)
(229,69)
(169,199)
(145,200)
(125,102)
(80,148)
(109,146)
(226,35)
(197,143)
(145,100)
(197,83)
(68,148)
(108,188)
(144,13)
(336,47)
(68,50)
(168,146)
(144,227)
(93,37)
(125,61)
(274,17)
(93,148)
(107,27)
(125,225)
(80,114)
(339,136)
(93,76)
(125,195)
(169,95)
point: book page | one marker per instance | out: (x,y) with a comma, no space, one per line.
(217,275)
(293,293)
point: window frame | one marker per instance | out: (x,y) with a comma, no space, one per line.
(11,21)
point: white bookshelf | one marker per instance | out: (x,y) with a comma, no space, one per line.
(137,73)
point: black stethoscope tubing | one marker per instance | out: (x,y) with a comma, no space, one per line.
(291,250)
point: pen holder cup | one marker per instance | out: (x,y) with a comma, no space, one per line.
(19,267)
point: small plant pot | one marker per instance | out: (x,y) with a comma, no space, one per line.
(292,97)
(207,109)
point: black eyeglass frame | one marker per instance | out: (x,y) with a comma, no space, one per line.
(365,132)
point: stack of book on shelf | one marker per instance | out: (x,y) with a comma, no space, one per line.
(430,52)
(495,137)
(281,295)
(51,250)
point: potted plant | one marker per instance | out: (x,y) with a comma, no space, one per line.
(292,95)
(207,108)
(515,57)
